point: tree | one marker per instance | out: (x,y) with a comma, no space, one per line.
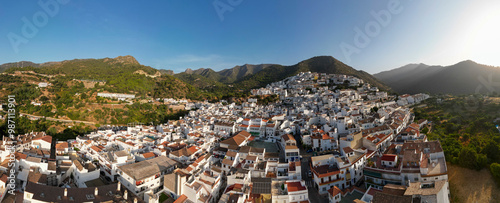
(467,158)
(52,131)
(492,151)
(495,171)
(44,99)
(425,130)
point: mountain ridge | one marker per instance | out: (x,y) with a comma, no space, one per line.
(242,77)
(464,77)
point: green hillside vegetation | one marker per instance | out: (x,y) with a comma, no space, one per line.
(225,76)
(236,73)
(466,129)
(199,80)
(120,77)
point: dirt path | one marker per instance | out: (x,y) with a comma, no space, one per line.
(57,119)
(468,185)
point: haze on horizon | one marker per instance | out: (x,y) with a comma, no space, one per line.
(219,34)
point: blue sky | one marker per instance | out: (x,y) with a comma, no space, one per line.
(196,34)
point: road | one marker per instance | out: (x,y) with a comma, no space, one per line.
(57,119)
(312,191)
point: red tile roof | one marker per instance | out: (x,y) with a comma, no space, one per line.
(63,145)
(388,157)
(334,191)
(96,149)
(295,186)
(148,155)
(181,199)
(46,138)
(348,150)
(193,149)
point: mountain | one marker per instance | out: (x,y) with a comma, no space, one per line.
(236,73)
(211,77)
(320,64)
(167,72)
(6,66)
(123,74)
(254,76)
(466,77)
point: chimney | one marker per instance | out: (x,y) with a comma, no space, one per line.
(65,192)
(118,186)
(135,200)
(96,191)
(125,195)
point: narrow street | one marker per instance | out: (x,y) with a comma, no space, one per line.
(312,191)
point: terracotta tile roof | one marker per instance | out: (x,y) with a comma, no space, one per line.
(4,177)
(295,186)
(63,145)
(244,134)
(78,165)
(372,191)
(325,170)
(95,148)
(231,154)
(235,140)
(227,162)
(334,191)
(193,149)
(148,155)
(46,138)
(348,150)
(181,152)
(287,137)
(20,156)
(388,157)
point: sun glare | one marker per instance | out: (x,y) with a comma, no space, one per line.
(483,40)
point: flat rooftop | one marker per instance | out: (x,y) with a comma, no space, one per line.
(269,146)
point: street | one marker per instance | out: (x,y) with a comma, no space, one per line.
(312,191)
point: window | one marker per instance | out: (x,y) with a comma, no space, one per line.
(89,197)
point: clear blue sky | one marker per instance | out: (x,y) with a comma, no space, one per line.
(192,34)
